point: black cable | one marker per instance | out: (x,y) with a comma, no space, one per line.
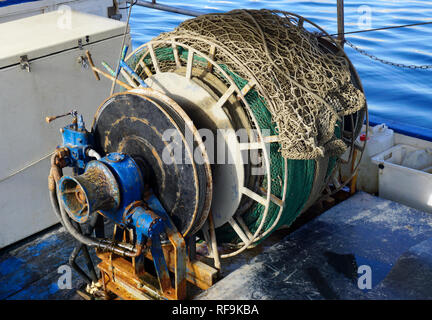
(384,28)
(81,247)
(131,5)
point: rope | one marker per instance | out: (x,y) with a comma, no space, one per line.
(384,28)
(307,87)
(275,49)
(121,48)
(26,167)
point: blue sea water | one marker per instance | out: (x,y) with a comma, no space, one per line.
(401,95)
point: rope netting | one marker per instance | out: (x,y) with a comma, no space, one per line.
(307,88)
(301,93)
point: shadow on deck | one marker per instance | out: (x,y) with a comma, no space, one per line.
(319,260)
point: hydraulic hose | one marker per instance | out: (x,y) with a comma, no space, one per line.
(123,249)
(102,244)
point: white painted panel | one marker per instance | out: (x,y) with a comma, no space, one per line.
(44,34)
(22,10)
(55,85)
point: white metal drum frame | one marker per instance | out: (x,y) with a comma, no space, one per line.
(237,222)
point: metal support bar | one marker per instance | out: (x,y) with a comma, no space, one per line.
(238,230)
(340,22)
(154,5)
(214,247)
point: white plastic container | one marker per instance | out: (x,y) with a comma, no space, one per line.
(405,185)
(380,138)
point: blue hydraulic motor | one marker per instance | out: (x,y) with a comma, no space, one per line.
(114,187)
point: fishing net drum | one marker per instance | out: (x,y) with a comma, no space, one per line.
(276,103)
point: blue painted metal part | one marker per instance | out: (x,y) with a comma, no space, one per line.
(146,223)
(154,203)
(114,186)
(108,68)
(108,185)
(180,253)
(77,139)
(130,183)
(123,55)
(96,191)
(149,226)
(129,70)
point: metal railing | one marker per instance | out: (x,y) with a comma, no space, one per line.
(164,7)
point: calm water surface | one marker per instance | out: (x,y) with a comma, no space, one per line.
(401,95)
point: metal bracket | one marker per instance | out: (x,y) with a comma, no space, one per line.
(83,61)
(24,63)
(113,14)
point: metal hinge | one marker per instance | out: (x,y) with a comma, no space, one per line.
(24,63)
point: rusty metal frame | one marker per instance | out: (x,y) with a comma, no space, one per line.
(162,7)
(120,276)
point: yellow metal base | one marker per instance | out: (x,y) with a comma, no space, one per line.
(118,276)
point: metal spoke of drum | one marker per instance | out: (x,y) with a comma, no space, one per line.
(129,79)
(176,55)
(153,58)
(189,64)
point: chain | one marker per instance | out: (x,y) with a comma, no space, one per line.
(399,65)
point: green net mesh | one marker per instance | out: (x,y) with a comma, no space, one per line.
(300,172)
(304,91)
(306,85)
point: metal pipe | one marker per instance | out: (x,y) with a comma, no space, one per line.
(55,205)
(53,179)
(215,251)
(75,266)
(340,22)
(92,153)
(154,5)
(103,244)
